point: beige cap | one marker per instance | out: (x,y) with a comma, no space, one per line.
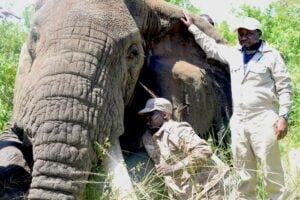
(160,104)
(249,23)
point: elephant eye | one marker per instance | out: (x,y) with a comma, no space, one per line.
(34,36)
(133,52)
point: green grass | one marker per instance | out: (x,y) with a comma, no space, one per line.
(151,186)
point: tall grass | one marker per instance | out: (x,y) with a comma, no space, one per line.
(147,184)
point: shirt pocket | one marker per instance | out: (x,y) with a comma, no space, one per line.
(258,69)
(259,73)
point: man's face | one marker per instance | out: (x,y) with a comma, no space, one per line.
(154,120)
(247,38)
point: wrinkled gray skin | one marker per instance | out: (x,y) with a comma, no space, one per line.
(78,72)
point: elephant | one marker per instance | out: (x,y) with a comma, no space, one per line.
(80,80)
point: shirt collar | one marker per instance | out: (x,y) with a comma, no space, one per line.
(264,47)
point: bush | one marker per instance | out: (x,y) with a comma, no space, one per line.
(12,37)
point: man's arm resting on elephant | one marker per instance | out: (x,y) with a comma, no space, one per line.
(213,50)
(209,45)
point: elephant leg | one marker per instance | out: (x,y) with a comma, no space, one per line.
(15,177)
(115,166)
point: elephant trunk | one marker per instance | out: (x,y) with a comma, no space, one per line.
(67,115)
(62,159)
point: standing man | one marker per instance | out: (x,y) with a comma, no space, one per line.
(180,156)
(261,93)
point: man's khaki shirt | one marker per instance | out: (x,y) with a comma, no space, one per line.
(266,82)
(172,143)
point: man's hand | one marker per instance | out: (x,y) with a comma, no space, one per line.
(187,19)
(281,128)
(164,169)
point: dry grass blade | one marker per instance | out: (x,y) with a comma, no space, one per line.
(148,90)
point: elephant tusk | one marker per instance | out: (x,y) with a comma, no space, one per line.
(119,180)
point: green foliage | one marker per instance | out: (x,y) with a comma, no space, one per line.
(281,27)
(12,37)
(101,150)
(150,186)
(225,31)
(184,4)
(27,15)
(98,185)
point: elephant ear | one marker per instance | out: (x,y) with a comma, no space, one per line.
(170,15)
(175,42)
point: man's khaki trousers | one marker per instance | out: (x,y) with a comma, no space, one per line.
(253,140)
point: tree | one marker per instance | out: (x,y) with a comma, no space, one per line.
(12,37)
(27,15)
(184,4)
(281,26)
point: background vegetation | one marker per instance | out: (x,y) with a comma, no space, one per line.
(11,38)
(281,28)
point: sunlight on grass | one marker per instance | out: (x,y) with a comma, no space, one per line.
(151,186)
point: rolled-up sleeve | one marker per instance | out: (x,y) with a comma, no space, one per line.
(283,84)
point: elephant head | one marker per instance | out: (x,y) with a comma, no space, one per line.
(78,73)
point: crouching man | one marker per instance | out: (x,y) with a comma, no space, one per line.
(180,155)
